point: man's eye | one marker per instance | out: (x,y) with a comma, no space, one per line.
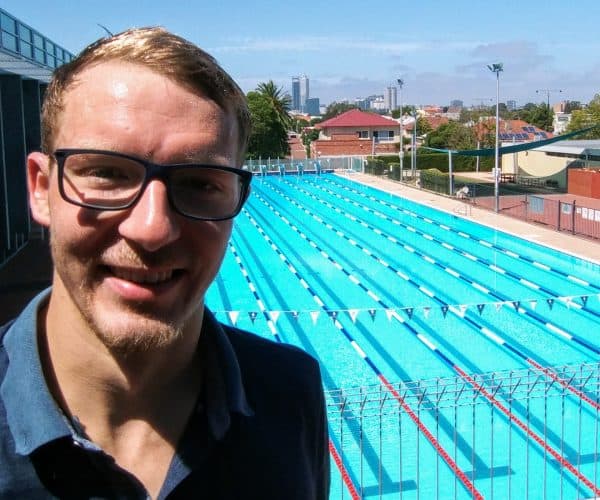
(109,173)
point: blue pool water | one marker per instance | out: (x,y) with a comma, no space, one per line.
(385,292)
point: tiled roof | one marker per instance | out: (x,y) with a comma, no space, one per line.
(357,118)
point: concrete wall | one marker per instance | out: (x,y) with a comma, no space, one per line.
(537,164)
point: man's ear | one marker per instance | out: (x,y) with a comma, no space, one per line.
(38,183)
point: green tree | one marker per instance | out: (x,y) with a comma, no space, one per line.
(587,117)
(423,126)
(536,114)
(280,101)
(337,108)
(268,138)
(452,135)
(298,124)
(309,135)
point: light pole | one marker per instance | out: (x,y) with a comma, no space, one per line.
(497,68)
(400,85)
(547,92)
(413,158)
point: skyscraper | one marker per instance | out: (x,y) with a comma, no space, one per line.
(390,98)
(304,92)
(300,92)
(295,93)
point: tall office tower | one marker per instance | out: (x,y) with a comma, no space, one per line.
(390,98)
(296,93)
(313,106)
(304,92)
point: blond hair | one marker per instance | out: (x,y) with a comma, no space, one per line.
(158,50)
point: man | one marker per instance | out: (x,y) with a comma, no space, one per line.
(118,382)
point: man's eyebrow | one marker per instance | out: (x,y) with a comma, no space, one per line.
(199,156)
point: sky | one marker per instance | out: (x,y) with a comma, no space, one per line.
(349,49)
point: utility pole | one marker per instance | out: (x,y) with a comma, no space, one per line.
(548,92)
(400,85)
(497,68)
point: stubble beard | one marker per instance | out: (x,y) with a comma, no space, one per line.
(124,329)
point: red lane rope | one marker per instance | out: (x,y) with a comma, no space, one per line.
(451,463)
(343,471)
(565,384)
(560,459)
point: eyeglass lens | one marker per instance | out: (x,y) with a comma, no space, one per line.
(111,182)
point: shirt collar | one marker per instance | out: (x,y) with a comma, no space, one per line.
(223,385)
(33,416)
(35,419)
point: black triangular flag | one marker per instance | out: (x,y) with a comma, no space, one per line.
(372,313)
(516,304)
(409,311)
(445,310)
(584,300)
(480,308)
(550,302)
(253,315)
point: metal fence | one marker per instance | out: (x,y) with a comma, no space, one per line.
(530,433)
(560,215)
(282,166)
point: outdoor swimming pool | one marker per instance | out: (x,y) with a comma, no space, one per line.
(432,333)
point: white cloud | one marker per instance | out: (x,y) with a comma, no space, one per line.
(324,43)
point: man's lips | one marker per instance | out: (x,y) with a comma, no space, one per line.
(144,276)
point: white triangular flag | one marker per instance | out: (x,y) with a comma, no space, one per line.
(353,314)
(233,316)
(274,315)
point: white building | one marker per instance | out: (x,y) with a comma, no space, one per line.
(390,98)
(560,122)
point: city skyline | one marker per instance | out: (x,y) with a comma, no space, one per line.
(440,49)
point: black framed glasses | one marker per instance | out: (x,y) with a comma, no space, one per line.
(107,180)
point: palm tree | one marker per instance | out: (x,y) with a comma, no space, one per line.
(279,100)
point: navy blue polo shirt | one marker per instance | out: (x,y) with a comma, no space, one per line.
(228,449)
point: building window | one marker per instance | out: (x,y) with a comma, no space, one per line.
(384,135)
(8,24)
(26,50)
(9,41)
(38,55)
(363,134)
(38,41)
(25,33)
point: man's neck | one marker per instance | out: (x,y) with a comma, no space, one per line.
(133,406)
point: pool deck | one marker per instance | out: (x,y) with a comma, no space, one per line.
(565,242)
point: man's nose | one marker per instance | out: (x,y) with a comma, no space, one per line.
(151,222)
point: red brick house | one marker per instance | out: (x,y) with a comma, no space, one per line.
(356,132)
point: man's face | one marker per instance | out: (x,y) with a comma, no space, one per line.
(137,276)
